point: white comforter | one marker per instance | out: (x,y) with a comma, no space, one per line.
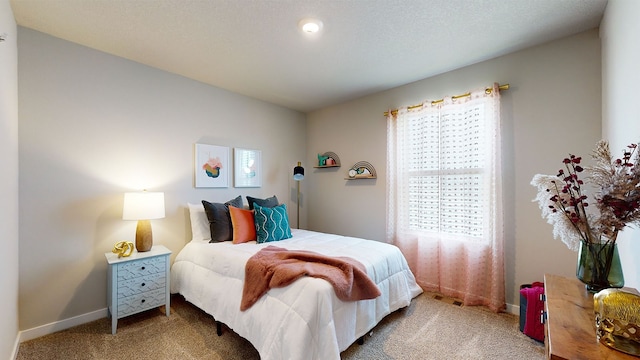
(304,320)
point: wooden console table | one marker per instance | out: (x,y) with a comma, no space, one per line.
(570,330)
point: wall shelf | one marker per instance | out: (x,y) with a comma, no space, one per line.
(329,156)
(361,170)
(361,178)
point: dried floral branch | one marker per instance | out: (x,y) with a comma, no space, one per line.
(564,204)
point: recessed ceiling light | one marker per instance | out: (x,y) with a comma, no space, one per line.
(310,26)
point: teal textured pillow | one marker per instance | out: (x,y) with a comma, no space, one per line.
(272,224)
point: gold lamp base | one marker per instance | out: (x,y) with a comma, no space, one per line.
(144,238)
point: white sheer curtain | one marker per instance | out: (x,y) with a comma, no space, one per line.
(444,196)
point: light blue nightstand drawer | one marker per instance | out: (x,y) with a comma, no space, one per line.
(140,302)
(141,284)
(136,268)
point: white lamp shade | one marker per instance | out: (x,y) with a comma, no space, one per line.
(143,206)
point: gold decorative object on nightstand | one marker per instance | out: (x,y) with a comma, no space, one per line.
(618,320)
(569,322)
(123,248)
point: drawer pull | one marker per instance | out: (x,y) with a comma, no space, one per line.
(142,301)
(143,268)
(143,284)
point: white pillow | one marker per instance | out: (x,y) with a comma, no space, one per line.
(200,230)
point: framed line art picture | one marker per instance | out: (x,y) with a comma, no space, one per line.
(212,166)
(247,168)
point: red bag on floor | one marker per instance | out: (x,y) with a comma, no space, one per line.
(533,326)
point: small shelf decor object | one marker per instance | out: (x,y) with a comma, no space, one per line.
(137,283)
(328,159)
(212,166)
(362,170)
(248,168)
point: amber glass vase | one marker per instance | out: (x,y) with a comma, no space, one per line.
(599,266)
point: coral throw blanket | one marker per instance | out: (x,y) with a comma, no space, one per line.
(274,267)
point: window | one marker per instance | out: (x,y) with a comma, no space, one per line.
(445,172)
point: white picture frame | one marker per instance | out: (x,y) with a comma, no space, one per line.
(247,168)
(212,166)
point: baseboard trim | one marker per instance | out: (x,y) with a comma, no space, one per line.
(16,345)
(50,328)
(513,309)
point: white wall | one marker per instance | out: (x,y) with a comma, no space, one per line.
(93,126)
(619,32)
(8,182)
(552,108)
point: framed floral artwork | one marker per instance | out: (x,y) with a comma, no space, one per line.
(247,168)
(212,166)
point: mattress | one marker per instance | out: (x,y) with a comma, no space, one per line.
(304,320)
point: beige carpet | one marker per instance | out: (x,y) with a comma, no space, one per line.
(427,329)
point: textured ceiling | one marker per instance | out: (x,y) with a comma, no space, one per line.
(253,47)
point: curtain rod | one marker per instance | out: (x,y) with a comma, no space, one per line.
(434,102)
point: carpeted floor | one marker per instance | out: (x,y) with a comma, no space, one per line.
(427,329)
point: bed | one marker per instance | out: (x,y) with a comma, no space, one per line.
(304,320)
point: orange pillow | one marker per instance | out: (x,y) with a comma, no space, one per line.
(243,225)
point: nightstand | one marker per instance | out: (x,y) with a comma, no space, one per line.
(137,283)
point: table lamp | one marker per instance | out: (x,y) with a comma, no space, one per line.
(143,206)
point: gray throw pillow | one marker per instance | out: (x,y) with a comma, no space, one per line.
(268,202)
(220,220)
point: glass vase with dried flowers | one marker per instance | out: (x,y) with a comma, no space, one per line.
(593,233)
